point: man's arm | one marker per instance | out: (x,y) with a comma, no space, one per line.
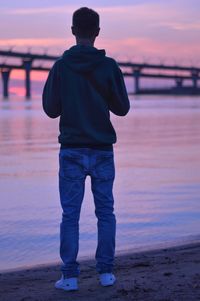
(51,99)
(118,101)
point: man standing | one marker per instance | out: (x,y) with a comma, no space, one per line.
(83,86)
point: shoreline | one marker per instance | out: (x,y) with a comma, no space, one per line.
(169,273)
(184,241)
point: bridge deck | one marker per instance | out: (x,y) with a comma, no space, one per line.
(136,71)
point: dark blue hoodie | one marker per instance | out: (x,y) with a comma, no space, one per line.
(83,109)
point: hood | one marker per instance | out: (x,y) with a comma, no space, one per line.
(83,58)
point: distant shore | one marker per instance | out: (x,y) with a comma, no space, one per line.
(163,274)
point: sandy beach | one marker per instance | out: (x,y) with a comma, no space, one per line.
(167,274)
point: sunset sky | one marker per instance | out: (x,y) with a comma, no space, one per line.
(138,30)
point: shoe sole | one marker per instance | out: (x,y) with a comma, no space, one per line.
(66,289)
(110,284)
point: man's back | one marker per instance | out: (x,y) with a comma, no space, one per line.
(84,104)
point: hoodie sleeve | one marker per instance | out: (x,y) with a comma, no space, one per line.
(118,101)
(51,99)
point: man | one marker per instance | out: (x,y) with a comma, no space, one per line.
(82,87)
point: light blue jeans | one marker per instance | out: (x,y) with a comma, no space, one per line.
(75,165)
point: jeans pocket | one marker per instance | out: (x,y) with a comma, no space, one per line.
(105,168)
(71,165)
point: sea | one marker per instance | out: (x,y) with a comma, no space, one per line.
(157,185)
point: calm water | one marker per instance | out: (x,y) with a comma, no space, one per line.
(157,187)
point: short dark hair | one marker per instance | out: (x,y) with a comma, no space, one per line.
(85,22)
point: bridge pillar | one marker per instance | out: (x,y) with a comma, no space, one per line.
(27,63)
(195,76)
(136,74)
(5,78)
(179,83)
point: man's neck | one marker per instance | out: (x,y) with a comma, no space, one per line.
(85,42)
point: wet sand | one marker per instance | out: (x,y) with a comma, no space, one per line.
(167,274)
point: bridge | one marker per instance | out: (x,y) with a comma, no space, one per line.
(179,74)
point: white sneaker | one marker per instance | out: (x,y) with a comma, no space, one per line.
(67,284)
(107,279)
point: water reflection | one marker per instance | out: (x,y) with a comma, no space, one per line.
(157,184)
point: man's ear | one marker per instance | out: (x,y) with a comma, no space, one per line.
(73,30)
(97,33)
